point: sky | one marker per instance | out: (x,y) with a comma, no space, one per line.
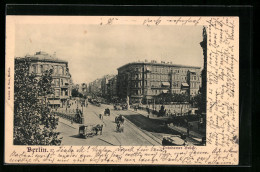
(93,51)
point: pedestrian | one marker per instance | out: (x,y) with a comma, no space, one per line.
(188,131)
(185,142)
(147,109)
(101,128)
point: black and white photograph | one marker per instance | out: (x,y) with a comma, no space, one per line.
(120,85)
(122,90)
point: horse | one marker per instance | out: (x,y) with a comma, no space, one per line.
(119,127)
(98,128)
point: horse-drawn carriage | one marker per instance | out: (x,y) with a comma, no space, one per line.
(107,112)
(117,107)
(78,118)
(124,106)
(119,120)
(90,130)
(162,111)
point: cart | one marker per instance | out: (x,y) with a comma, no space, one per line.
(87,131)
(119,119)
(120,127)
(107,112)
(117,107)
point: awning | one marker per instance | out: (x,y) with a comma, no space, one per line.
(54,102)
(166,84)
(185,85)
(148,68)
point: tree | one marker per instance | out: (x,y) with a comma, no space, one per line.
(169,97)
(34,124)
(203,89)
(196,101)
(76,93)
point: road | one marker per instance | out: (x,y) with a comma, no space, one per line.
(138,129)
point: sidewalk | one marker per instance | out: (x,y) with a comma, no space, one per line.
(152,116)
(68,123)
(192,134)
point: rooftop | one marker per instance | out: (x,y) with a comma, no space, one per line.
(43,56)
(154,63)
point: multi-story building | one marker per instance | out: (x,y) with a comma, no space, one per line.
(104,83)
(61,83)
(143,80)
(94,88)
(112,87)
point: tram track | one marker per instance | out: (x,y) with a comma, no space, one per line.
(149,137)
(144,135)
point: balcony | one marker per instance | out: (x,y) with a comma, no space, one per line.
(64,97)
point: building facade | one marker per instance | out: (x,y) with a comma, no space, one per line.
(143,80)
(104,88)
(94,88)
(112,88)
(61,83)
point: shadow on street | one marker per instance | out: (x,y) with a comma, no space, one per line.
(151,125)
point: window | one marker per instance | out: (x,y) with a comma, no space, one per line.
(57,93)
(55,69)
(66,92)
(46,67)
(61,81)
(41,69)
(34,68)
(57,82)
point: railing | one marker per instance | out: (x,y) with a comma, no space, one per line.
(71,116)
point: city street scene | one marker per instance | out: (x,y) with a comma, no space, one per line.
(110,85)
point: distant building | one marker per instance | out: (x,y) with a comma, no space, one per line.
(143,80)
(94,88)
(83,88)
(104,83)
(40,62)
(112,87)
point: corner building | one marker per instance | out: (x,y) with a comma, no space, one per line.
(61,83)
(143,80)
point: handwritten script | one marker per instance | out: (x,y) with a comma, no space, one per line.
(139,154)
(222,120)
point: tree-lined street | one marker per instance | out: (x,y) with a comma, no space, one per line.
(138,129)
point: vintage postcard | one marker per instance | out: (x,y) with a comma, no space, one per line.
(122,90)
